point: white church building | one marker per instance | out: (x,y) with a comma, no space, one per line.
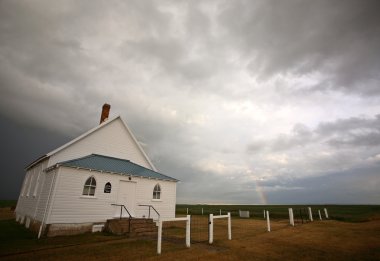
(100,175)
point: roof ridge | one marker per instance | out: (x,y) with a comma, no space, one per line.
(110,157)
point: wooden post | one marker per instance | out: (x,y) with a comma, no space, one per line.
(268,221)
(326,214)
(187,211)
(310,214)
(211,229)
(159,237)
(188,231)
(229,226)
(202,211)
(220,212)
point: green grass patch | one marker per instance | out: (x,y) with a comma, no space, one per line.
(15,238)
(7,203)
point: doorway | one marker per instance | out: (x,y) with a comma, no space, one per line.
(126,196)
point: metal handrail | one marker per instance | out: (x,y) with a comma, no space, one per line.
(121,210)
(150,206)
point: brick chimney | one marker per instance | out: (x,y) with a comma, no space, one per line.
(105,113)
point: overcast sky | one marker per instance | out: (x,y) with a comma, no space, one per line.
(249,102)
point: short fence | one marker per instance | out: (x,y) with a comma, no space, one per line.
(177,234)
(212,227)
(206,228)
(198,229)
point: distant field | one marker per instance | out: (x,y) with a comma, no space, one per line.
(350,213)
(7,203)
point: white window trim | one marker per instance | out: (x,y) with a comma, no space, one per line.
(160,193)
(84,196)
(37,182)
(30,182)
(25,184)
(89,196)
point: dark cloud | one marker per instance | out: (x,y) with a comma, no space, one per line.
(20,145)
(339,40)
(349,124)
(351,132)
(340,187)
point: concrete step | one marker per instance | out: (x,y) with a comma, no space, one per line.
(132,227)
(142,221)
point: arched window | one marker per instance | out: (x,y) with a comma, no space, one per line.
(157,192)
(89,187)
(107,187)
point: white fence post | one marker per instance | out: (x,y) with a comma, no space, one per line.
(202,211)
(268,221)
(326,214)
(310,214)
(229,226)
(291,217)
(319,213)
(159,237)
(220,212)
(264,213)
(211,229)
(188,231)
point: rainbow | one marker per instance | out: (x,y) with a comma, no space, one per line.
(260,193)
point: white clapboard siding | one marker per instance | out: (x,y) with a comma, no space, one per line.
(165,205)
(69,206)
(44,194)
(30,197)
(112,140)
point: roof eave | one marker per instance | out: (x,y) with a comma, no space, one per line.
(34,163)
(110,172)
(82,136)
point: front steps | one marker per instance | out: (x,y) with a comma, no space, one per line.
(134,227)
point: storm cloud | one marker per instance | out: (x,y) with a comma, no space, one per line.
(243,101)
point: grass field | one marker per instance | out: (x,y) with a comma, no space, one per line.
(318,240)
(7,203)
(351,213)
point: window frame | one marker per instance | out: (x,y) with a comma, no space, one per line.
(157,192)
(89,189)
(110,189)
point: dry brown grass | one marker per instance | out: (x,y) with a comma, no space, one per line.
(326,240)
(6,213)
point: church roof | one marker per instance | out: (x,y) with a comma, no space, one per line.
(108,164)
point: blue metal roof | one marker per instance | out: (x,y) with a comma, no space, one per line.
(113,165)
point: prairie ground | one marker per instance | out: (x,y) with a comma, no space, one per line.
(318,240)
